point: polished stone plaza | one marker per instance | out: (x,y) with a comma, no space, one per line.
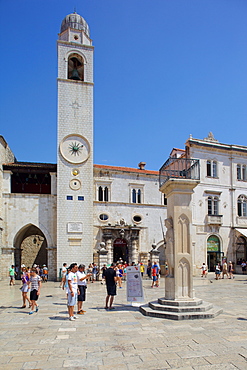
(123,338)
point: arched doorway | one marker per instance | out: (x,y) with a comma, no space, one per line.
(241,250)
(120,250)
(30,247)
(213,252)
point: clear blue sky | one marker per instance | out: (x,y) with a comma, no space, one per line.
(164,69)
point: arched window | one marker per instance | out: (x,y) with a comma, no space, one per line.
(100,194)
(139,196)
(106,194)
(214,253)
(103,194)
(136,196)
(213,244)
(75,67)
(213,205)
(242,206)
(133,195)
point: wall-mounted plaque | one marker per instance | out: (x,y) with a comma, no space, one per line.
(74,227)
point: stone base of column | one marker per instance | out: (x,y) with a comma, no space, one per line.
(185,309)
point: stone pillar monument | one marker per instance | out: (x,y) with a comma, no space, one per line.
(179,283)
(179,302)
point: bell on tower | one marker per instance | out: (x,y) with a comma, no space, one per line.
(75,68)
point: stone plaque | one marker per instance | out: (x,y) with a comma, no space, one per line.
(75,227)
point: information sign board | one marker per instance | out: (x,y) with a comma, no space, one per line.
(134,284)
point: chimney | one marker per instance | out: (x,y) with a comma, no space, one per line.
(142,165)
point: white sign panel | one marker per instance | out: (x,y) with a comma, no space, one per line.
(134,284)
(74,227)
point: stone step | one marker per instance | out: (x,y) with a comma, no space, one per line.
(203,307)
(180,303)
(211,313)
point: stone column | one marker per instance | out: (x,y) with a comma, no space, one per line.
(179,283)
(134,251)
(109,248)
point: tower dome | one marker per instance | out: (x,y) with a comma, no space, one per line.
(75,21)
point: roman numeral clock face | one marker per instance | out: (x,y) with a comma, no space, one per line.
(75,149)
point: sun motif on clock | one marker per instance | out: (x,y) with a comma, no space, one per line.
(75,148)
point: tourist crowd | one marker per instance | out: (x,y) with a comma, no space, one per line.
(74,280)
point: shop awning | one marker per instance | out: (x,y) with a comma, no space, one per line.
(242,231)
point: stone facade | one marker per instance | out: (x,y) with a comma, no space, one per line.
(141,223)
(222,184)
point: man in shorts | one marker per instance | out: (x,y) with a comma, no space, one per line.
(111,285)
(82,286)
(72,290)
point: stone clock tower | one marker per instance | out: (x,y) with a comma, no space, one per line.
(75,143)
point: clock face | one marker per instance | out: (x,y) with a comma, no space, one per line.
(75,148)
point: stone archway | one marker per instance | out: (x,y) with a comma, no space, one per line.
(214,253)
(112,236)
(120,250)
(30,247)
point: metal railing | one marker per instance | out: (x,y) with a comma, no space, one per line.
(179,168)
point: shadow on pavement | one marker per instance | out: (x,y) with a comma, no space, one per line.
(116,307)
(62,318)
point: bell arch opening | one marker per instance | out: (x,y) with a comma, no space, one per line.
(30,247)
(75,67)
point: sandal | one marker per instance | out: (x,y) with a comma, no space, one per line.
(24,306)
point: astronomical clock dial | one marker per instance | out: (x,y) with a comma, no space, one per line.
(75,149)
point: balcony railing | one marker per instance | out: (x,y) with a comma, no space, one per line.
(180,168)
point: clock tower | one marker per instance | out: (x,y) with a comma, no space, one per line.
(75,143)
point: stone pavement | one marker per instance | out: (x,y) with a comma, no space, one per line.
(123,338)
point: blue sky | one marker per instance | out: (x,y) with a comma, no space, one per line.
(164,69)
